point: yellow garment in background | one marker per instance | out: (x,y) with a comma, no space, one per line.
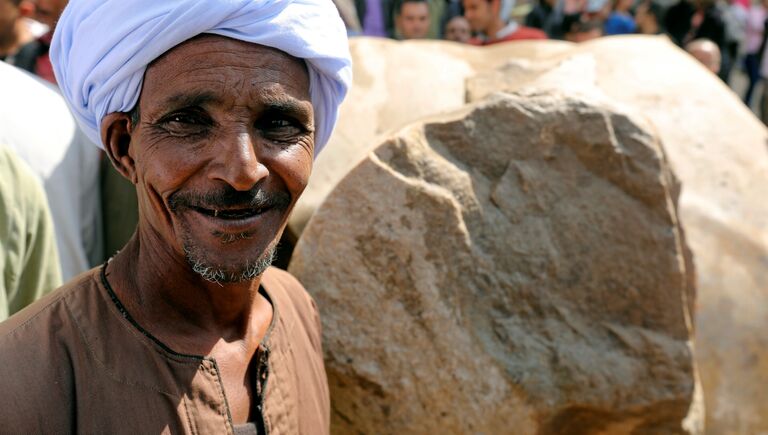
(29,263)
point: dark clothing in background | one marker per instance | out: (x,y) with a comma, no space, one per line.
(545,17)
(678,25)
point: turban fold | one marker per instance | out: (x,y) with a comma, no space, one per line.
(101,48)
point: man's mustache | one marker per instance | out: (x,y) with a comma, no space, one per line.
(229,198)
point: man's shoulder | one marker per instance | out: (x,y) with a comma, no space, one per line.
(294,304)
(286,288)
(35,322)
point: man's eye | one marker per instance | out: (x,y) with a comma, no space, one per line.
(280,123)
(185,124)
(280,129)
(182,119)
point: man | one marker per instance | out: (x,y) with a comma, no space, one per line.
(581,28)
(19,33)
(706,52)
(29,265)
(62,158)
(491,19)
(32,53)
(214,109)
(688,20)
(547,15)
(619,20)
(375,17)
(648,17)
(412,19)
(13,31)
(457,30)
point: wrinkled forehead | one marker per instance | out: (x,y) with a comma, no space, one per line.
(216,62)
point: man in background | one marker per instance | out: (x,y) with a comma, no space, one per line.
(706,52)
(18,34)
(32,53)
(29,266)
(491,18)
(547,15)
(412,19)
(457,30)
(36,123)
(648,17)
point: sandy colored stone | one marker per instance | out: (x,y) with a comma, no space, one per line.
(717,147)
(395,83)
(514,267)
(718,150)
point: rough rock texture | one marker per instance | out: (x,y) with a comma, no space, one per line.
(717,147)
(718,150)
(395,83)
(515,267)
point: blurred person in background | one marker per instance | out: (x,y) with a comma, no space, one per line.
(734,13)
(491,19)
(649,17)
(36,123)
(687,21)
(412,19)
(348,14)
(19,33)
(457,30)
(13,32)
(29,266)
(706,52)
(755,29)
(620,21)
(375,17)
(582,28)
(33,56)
(547,15)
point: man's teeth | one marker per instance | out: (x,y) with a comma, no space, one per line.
(231,214)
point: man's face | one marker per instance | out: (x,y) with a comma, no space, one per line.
(457,30)
(49,11)
(222,152)
(413,21)
(479,13)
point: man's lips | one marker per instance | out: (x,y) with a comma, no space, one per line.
(231,213)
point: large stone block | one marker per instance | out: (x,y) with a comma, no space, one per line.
(716,146)
(514,267)
(718,150)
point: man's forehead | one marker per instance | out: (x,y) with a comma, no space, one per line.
(205,65)
(227,51)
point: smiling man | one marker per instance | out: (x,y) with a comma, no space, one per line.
(214,110)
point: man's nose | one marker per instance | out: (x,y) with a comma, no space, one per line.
(238,163)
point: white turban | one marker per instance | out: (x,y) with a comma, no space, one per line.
(101,48)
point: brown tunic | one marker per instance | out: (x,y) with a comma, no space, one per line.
(75,363)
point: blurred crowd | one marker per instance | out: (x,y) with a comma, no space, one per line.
(725,35)
(93,210)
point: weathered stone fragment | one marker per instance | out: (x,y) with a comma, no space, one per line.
(718,150)
(515,267)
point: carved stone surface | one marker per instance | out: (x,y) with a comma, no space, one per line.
(514,267)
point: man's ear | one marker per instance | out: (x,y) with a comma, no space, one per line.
(116,130)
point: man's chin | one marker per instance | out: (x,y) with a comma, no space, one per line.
(228,272)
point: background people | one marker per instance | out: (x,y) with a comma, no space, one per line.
(28,258)
(412,19)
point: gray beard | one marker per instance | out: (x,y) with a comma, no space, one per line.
(247,271)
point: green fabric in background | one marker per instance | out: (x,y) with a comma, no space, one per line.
(29,263)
